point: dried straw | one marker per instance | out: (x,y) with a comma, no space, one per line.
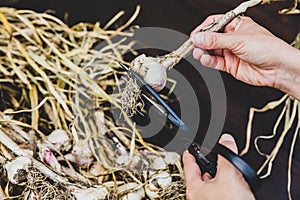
(289,115)
(52,78)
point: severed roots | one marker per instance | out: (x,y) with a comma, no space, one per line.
(41,187)
(129,97)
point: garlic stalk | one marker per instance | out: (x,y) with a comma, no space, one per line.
(153,70)
(292,10)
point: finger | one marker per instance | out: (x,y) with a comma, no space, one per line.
(206,177)
(218,52)
(198,53)
(192,171)
(225,168)
(216,62)
(213,41)
(234,24)
(240,23)
(208,21)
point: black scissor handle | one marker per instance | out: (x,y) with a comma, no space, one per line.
(207,164)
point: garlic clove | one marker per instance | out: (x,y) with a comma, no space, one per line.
(131,191)
(151,70)
(17,170)
(60,140)
(92,193)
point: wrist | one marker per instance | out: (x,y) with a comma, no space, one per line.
(288,79)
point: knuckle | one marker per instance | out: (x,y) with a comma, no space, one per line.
(211,40)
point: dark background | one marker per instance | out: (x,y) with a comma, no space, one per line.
(184,16)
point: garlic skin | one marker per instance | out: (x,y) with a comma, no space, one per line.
(151,70)
(92,193)
(17,170)
(133,193)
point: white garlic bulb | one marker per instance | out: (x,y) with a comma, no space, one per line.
(92,193)
(131,191)
(151,70)
(156,162)
(171,157)
(17,170)
(60,140)
(156,183)
(81,154)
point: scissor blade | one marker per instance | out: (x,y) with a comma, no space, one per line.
(172,116)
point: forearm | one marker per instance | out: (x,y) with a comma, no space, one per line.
(289,79)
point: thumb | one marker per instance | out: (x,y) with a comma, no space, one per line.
(191,170)
(212,40)
(224,166)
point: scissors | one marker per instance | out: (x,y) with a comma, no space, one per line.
(205,158)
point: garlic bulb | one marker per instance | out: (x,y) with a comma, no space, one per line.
(81,154)
(156,183)
(60,140)
(92,193)
(97,169)
(48,157)
(17,170)
(131,191)
(152,71)
(137,160)
(156,162)
(171,157)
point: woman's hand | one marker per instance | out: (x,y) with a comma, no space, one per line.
(228,184)
(250,53)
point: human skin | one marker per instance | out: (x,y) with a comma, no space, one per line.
(250,53)
(255,56)
(228,183)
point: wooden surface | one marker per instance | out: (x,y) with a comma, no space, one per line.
(183,16)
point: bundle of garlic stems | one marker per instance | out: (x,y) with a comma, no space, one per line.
(57,139)
(289,116)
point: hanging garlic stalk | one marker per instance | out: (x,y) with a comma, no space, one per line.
(153,69)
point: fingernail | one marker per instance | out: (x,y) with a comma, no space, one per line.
(226,138)
(198,38)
